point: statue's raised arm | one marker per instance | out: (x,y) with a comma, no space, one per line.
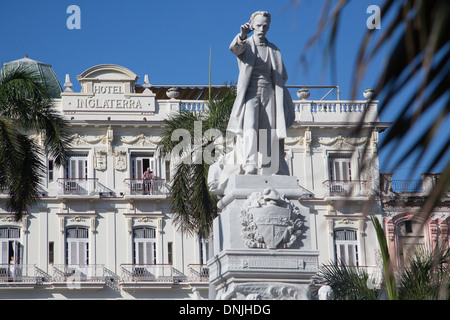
(263,109)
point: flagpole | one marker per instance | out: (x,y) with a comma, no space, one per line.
(209,72)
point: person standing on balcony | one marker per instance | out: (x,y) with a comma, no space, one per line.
(262,100)
(12,269)
(147,176)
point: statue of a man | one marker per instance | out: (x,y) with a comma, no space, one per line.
(263,108)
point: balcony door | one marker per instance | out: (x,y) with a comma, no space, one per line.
(340,174)
(77,167)
(340,168)
(140,163)
(77,245)
(11,252)
(76,174)
(144,240)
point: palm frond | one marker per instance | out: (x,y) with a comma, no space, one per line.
(26,105)
(21,168)
(417,68)
(25,99)
(347,282)
(426,275)
(184,139)
(388,267)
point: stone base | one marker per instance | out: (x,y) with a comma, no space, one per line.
(264,291)
(277,262)
(273,274)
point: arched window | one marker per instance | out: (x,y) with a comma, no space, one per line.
(346,247)
(144,245)
(77,246)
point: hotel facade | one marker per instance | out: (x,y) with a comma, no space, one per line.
(99,231)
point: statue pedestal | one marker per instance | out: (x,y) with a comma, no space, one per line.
(262,241)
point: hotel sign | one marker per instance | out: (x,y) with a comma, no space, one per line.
(108,88)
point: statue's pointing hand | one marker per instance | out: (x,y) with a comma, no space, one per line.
(245,30)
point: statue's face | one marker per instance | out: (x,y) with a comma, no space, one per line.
(260,26)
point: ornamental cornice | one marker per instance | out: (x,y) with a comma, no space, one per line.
(340,142)
(78,140)
(291,141)
(151,218)
(141,140)
(140,215)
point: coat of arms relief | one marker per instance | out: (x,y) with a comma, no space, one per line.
(270,221)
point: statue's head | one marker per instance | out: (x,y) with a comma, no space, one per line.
(260,22)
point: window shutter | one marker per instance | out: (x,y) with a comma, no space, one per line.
(4,253)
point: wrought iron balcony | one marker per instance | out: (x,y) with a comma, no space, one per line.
(146,187)
(22,273)
(345,188)
(79,273)
(78,186)
(151,273)
(198,273)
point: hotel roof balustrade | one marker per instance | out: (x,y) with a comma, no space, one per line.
(194,98)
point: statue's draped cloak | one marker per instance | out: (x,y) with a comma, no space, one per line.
(245,50)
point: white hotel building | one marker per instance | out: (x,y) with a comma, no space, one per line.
(95,233)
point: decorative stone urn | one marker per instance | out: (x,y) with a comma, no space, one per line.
(303,93)
(368,93)
(173,93)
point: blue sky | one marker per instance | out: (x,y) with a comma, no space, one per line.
(171,40)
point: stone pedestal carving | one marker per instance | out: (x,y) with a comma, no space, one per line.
(262,247)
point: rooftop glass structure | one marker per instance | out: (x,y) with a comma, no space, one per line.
(44,70)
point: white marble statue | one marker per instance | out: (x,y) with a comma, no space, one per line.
(262,111)
(262,100)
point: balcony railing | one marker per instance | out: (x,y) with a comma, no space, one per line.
(407,185)
(63,273)
(28,273)
(146,187)
(151,272)
(77,186)
(345,188)
(84,273)
(198,273)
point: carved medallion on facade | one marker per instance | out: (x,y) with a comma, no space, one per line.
(120,160)
(270,221)
(100,159)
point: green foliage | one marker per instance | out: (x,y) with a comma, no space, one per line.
(348,282)
(415,34)
(25,105)
(193,205)
(426,276)
(388,268)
